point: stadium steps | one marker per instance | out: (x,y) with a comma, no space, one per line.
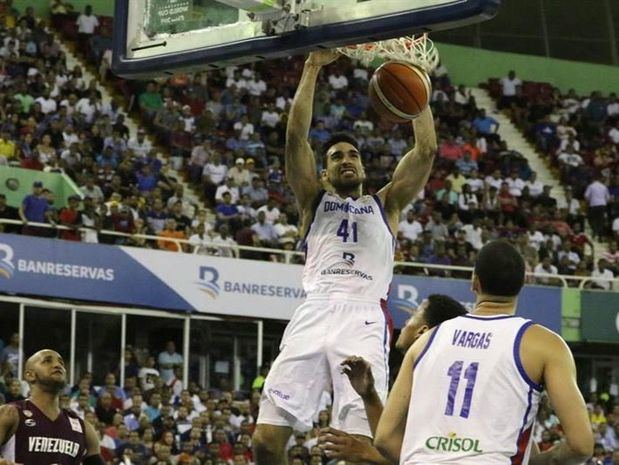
(510,133)
(133,124)
(516,141)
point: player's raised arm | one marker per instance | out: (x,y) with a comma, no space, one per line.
(300,164)
(392,424)
(560,381)
(413,170)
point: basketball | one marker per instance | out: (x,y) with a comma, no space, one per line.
(399,91)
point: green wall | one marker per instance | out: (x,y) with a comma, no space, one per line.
(16,183)
(470,66)
(41,7)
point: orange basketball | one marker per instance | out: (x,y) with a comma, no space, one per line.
(399,91)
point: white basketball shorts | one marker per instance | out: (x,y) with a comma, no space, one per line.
(322,333)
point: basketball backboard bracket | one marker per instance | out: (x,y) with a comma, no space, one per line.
(161,37)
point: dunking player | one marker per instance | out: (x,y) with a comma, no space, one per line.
(36,431)
(349,245)
(433,311)
(468,391)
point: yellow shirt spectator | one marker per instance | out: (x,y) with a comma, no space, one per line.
(8,148)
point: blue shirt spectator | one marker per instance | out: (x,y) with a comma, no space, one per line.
(485,124)
(35,205)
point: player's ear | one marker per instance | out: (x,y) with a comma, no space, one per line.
(29,375)
(475,286)
(422,330)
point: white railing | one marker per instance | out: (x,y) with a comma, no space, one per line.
(565,280)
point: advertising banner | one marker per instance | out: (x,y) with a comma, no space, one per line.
(599,316)
(198,283)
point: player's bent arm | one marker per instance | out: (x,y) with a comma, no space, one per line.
(390,431)
(413,170)
(300,164)
(560,380)
(9,419)
(93,450)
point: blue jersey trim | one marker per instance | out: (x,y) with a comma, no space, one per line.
(518,361)
(489,318)
(317,200)
(425,349)
(519,455)
(384,215)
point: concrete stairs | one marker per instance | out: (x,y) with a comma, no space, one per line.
(537,161)
(132,124)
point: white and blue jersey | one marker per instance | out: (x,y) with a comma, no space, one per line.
(472,401)
(349,248)
(348,269)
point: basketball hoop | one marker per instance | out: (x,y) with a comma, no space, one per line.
(419,51)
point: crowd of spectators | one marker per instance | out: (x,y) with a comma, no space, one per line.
(223,132)
(580,138)
(154,419)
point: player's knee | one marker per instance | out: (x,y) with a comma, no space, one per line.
(270,440)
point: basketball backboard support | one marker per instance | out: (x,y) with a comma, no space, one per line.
(162,37)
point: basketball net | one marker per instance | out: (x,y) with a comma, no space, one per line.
(419,51)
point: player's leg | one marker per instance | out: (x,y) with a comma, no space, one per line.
(294,384)
(269,444)
(365,332)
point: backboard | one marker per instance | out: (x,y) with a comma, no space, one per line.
(162,37)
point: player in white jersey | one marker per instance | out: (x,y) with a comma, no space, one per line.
(468,391)
(336,444)
(350,246)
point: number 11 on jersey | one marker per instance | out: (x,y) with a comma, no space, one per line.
(470,374)
(345,232)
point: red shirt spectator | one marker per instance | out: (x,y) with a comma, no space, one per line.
(71,217)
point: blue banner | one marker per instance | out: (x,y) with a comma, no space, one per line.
(183,282)
(538,303)
(73,270)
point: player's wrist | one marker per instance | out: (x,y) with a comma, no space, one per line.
(371,396)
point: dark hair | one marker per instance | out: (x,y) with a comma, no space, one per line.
(336,138)
(442,308)
(500,269)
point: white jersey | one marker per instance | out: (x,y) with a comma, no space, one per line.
(472,402)
(349,248)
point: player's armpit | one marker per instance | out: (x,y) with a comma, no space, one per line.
(92,443)
(9,419)
(560,380)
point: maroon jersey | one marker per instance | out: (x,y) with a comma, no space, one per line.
(41,441)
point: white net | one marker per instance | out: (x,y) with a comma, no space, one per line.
(417,50)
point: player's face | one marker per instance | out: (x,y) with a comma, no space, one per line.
(414,328)
(344,169)
(47,370)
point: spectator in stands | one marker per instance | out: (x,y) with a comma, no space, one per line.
(140,145)
(265,232)
(486,125)
(602,276)
(597,197)
(87,23)
(11,354)
(509,89)
(168,360)
(71,217)
(170,231)
(546,267)
(150,101)
(34,208)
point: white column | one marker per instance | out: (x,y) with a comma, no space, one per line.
(186,340)
(20,363)
(72,347)
(123,344)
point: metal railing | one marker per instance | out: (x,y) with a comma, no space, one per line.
(565,280)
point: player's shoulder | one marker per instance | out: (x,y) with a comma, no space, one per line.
(9,413)
(543,339)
